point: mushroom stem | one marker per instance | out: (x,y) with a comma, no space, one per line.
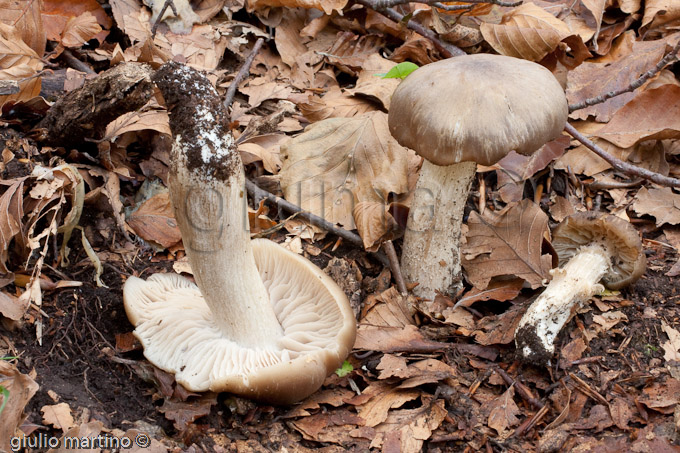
(431,251)
(571,285)
(215,231)
(207,189)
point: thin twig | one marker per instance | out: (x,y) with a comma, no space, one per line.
(383,4)
(665,61)
(621,165)
(522,390)
(242,73)
(395,267)
(446,49)
(167,3)
(76,63)
(259,194)
(609,185)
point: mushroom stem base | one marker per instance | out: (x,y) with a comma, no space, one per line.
(431,252)
(571,285)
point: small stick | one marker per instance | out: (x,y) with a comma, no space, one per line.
(75,63)
(394,265)
(665,61)
(607,185)
(621,165)
(167,3)
(258,194)
(447,50)
(522,390)
(242,73)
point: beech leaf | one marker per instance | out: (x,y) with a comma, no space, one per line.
(662,204)
(508,244)
(339,162)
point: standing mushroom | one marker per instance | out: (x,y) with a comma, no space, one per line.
(591,248)
(456,113)
(262,321)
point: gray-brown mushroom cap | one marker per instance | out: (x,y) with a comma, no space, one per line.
(477,108)
(180,335)
(628,262)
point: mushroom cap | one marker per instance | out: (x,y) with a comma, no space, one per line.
(477,108)
(627,263)
(179,335)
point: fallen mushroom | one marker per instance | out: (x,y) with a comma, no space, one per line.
(592,248)
(261,321)
(456,113)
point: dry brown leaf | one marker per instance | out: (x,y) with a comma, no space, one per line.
(21,388)
(184,413)
(154,221)
(371,85)
(12,307)
(528,32)
(498,329)
(79,30)
(672,346)
(416,49)
(258,91)
(156,120)
(339,162)
(336,103)
(621,412)
(662,396)
(57,13)
(405,430)
(392,366)
(25,16)
(11,213)
(626,61)
(349,51)
(653,114)
(58,415)
(507,244)
(503,413)
(609,320)
(497,290)
(662,204)
(327,6)
(20,63)
(265,148)
(660,12)
(86,430)
(375,411)
(375,224)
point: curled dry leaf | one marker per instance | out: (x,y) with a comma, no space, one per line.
(11,213)
(79,30)
(660,12)
(58,415)
(503,413)
(371,85)
(57,13)
(327,6)
(25,16)
(265,148)
(627,59)
(507,244)
(652,115)
(662,204)
(154,221)
(340,162)
(336,103)
(375,224)
(18,62)
(20,388)
(528,32)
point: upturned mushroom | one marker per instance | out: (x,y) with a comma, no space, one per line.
(591,248)
(456,113)
(261,321)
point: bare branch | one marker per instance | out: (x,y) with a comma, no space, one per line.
(395,267)
(620,165)
(242,73)
(167,3)
(665,61)
(446,49)
(261,194)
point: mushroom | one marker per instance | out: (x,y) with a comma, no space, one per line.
(592,248)
(261,321)
(456,113)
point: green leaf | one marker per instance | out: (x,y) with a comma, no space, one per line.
(400,71)
(5,397)
(345,369)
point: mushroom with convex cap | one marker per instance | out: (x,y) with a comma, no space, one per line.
(593,249)
(261,321)
(456,113)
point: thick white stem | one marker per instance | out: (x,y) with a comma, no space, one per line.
(431,251)
(571,285)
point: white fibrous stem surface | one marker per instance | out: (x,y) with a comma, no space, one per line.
(431,251)
(570,286)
